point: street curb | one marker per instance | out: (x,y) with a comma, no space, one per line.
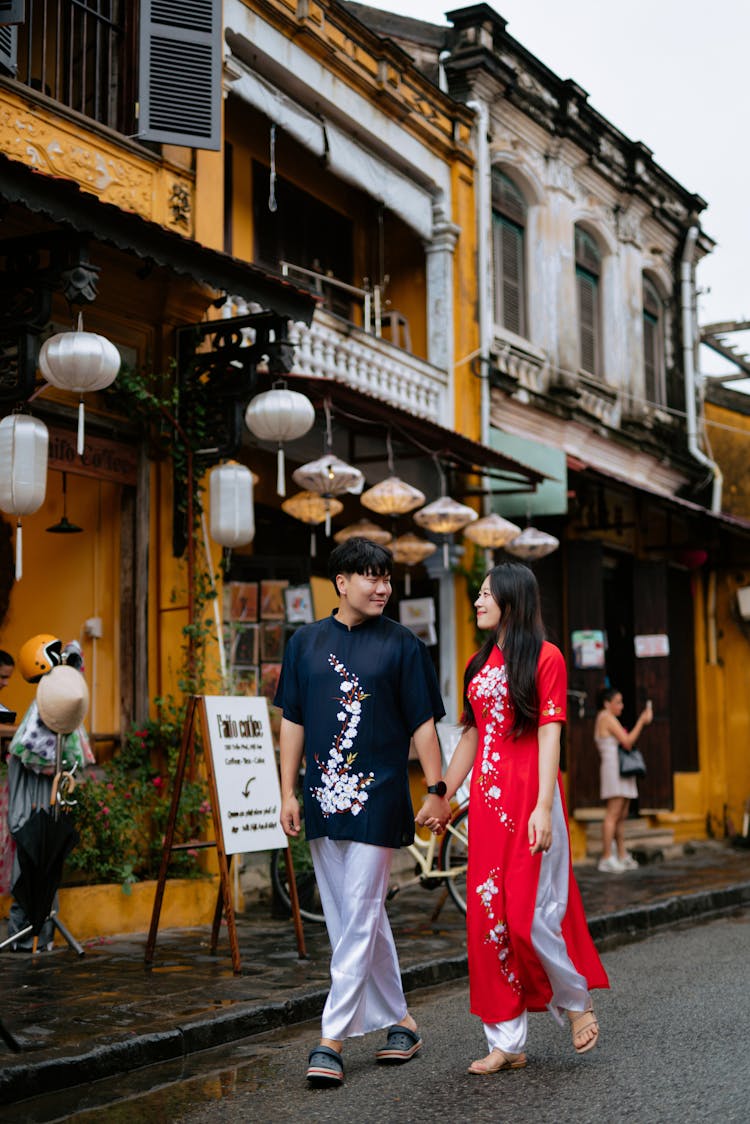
(24,1079)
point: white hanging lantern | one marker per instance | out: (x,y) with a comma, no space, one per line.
(24,442)
(81,362)
(280,415)
(232,513)
(329,476)
(531,544)
(392,497)
(444,517)
(364,529)
(410,550)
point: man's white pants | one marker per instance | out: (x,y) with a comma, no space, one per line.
(366,992)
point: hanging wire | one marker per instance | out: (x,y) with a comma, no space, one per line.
(272,204)
(328,427)
(389,453)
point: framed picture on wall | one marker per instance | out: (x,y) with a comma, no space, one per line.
(299,606)
(243,601)
(245,680)
(269,679)
(245,646)
(272,641)
(272,607)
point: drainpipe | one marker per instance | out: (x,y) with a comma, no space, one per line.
(484,218)
(688,362)
(688,343)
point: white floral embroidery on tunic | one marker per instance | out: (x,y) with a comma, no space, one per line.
(489,689)
(341,788)
(497,934)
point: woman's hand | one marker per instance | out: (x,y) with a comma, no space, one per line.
(540,829)
(647,714)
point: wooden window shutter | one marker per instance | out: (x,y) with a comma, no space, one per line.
(588,317)
(12,12)
(180,72)
(653,359)
(509,275)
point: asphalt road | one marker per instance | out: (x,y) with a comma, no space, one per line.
(673,1048)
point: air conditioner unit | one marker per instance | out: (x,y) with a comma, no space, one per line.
(743,602)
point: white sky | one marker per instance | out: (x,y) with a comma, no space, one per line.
(672,74)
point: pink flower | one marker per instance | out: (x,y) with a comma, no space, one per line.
(193,853)
(205,808)
(157,782)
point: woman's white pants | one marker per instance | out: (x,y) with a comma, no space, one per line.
(366,992)
(569,991)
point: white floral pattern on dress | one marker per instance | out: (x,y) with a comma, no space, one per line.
(341,788)
(497,934)
(489,689)
(551,709)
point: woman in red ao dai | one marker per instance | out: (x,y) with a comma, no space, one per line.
(528,943)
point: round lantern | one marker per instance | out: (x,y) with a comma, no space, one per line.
(491,532)
(410,550)
(24,442)
(364,529)
(280,415)
(532,544)
(329,476)
(232,514)
(392,497)
(81,362)
(444,517)
(311,508)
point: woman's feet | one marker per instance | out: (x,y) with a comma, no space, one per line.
(497,1060)
(584,1029)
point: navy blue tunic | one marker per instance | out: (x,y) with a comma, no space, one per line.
(360,693)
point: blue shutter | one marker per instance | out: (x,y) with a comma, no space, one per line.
(180,72)
(11,13)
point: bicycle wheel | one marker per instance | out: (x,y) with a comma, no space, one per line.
(307,888)
(454,853)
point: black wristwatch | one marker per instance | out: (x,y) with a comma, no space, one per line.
(438,789)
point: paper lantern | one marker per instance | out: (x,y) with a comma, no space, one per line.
(280,415)
(329,476)
(532,544)
(312,508)
(491,532)
(232,513)
(24,442)
(81,362)
(444,517)
(410,550)
(364,529)
(392,497)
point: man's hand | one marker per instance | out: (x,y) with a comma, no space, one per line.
(289,817)
(434,813)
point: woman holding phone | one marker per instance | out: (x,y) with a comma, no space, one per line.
(609,733)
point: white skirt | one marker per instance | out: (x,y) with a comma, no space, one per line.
(610,782)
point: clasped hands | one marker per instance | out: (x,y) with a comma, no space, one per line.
(434,814)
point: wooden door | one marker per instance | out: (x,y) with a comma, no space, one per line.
(585,592)
(652,681)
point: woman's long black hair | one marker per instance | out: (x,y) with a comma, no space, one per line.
(514,588)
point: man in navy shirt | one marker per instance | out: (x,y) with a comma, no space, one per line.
(355,689)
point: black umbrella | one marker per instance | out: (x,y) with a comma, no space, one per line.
(42,845)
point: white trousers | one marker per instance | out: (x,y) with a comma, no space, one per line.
(569,990)
(366,992)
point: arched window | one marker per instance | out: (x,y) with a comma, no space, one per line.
(653,342)
(588,270)
(508,236)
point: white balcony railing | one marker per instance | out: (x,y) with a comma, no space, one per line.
(334,349)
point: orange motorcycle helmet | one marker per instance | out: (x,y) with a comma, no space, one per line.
(38,656)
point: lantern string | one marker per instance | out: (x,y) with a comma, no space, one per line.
(272,204)
(328,519)
(313,544)
(389,453)
(80,427)
(19,551)
(280,473)
(329,429)
(407,582)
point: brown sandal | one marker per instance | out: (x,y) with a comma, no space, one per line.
(580,1022)
(484,1067)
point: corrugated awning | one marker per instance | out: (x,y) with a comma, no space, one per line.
(67,205)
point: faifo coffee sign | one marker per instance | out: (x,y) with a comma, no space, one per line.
(102,458)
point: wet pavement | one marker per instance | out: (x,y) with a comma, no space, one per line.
(79,1019)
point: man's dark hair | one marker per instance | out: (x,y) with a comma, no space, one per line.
(359,556)
(6,659)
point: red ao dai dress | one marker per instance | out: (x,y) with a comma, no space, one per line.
(528,942)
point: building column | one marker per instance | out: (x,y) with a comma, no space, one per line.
(439,253)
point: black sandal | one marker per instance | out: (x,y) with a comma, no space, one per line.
(401,1045)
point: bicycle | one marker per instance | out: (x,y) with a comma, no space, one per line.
(440,861)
